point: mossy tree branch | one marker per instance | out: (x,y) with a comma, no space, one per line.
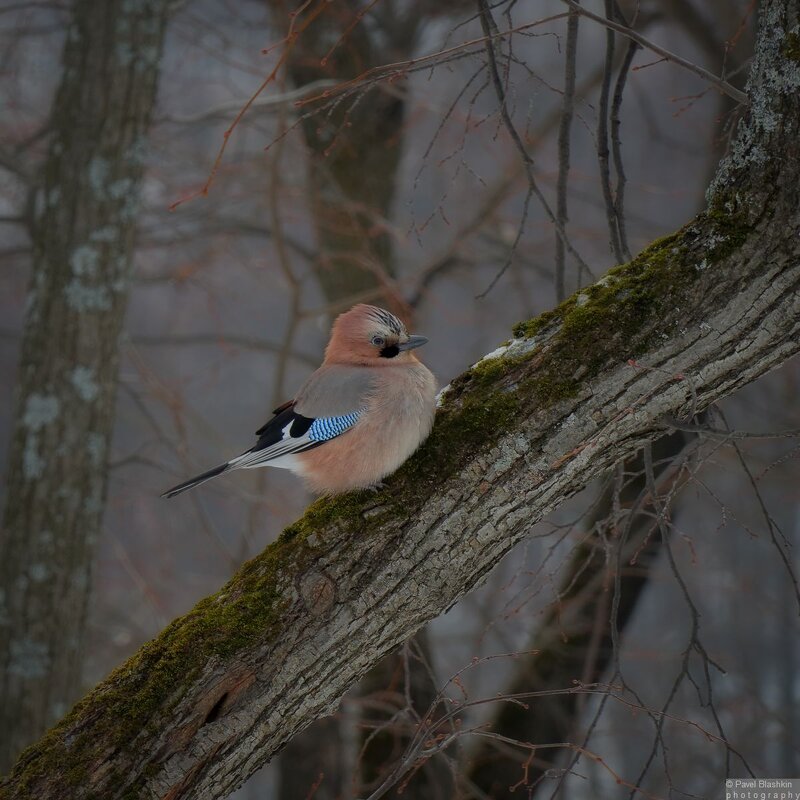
(703,311)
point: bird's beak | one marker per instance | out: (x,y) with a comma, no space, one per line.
(412,343)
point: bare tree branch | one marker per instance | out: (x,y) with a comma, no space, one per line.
(271,103)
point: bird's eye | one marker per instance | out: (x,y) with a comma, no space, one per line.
(378,341)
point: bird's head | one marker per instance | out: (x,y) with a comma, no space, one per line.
(368,335)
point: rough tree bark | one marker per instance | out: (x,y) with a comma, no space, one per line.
(704,311)
(83,241)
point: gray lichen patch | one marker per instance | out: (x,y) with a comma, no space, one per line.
(96,447)
(98,174)
(81,297)
(775,76)
(108,233)
(38,572)
(93,503)
(84,260)
(40,410)
(121,188)
(32,463)
(82,380)
(137,152)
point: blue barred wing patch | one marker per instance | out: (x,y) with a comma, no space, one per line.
(325,428)
(289,433)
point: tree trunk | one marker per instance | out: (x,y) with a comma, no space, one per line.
(82,238)
(354,149)
(704,311)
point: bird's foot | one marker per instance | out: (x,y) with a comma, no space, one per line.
(376,487)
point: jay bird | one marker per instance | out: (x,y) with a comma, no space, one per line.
(357,418)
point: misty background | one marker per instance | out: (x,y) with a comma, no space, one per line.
(227,315)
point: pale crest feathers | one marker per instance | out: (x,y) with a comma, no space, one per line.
(349,342)
(383,317)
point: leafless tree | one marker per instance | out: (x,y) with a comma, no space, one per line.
(81,216)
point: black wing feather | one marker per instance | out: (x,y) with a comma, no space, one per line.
(196,481)
(272,432)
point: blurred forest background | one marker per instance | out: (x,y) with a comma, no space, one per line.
(405,188)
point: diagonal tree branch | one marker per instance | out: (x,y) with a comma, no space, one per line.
(708,309)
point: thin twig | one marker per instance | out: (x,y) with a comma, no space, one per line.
(564,129)
(616,144)
(269,103)
(729,435)
(602,142)
(230,340)
(772,526)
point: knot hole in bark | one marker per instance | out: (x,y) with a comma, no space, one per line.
(215,710)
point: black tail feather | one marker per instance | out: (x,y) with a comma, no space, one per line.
(196,481)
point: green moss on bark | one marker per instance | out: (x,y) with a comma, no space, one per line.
(153,680)
(791,47)
(623,314)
